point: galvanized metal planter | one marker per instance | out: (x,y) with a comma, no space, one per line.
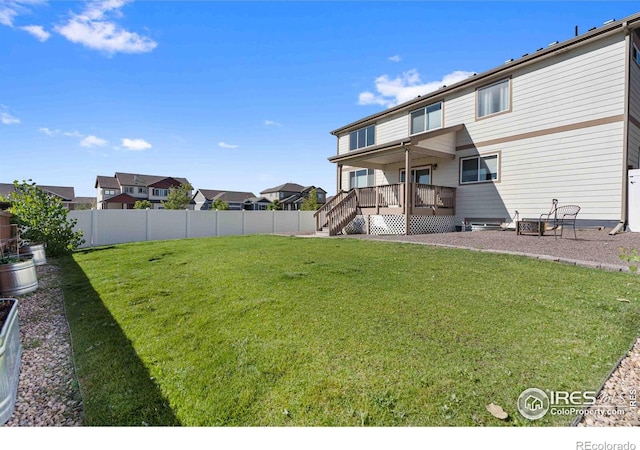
(10,356)
(18,278)
(37,251)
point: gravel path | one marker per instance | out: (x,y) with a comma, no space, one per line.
(48,393)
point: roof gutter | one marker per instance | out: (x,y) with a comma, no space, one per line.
(492,74)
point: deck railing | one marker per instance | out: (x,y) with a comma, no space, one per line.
(388,195)
(428,195)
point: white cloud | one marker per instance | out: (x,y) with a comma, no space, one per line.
(92,141)
(395,58)
(37,31)
(135,145)
(391,92)
(48,132)
(94,28)
(72,134)
(225,145)
(8,119)
(10,9)
(7,15)
(272,123)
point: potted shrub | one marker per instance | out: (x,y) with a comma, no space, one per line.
(10,354)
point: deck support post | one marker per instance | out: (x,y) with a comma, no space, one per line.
(339,179)
(407,190)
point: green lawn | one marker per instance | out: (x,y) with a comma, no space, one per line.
(268,330)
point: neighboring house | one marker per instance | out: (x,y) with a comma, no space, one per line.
(203,199)
(65,193)
(562,122)
(292,195)
(123,190)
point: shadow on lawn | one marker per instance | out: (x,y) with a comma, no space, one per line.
(116,387)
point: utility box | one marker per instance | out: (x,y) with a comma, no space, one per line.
(633,199)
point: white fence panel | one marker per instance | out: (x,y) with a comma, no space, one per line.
(307,221)
(229,223)
(162,224)
(202,223)
(256,222)
(115,226)
(287,221)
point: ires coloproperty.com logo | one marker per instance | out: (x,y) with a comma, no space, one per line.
(534,403)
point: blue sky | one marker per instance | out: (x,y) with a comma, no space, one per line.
(236,95)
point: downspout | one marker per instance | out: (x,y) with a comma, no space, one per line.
(624,210)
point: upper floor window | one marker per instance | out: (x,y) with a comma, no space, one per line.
(478,169)
(361,178)
(364,137)
(109,192)
(142,190)
(129,189)
(636,54)
(494,98)
(427,118)
(160,192)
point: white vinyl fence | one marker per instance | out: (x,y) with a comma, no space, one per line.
(116,226)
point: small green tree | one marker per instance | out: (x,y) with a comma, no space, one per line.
(219,205)
(142,204)
(42,217)
(179,197)
(311,203)
(274,206)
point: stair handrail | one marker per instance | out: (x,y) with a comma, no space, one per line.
(343,213)
(321,214)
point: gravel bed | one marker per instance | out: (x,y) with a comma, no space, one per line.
(592,248)
(48,393)
(617,402)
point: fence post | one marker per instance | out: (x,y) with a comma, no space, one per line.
(217,228)
(242,230)
(92,241)
(146,224)
(186,224)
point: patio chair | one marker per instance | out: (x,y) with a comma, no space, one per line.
(560,216)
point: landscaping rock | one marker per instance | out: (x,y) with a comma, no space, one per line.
(48,393)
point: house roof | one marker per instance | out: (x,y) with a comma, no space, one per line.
(632,21)
(122,198)
(107,182)
(134,179)
(226,196)
(257,200)
(318,189)
(287,187)
(66,193)
(87,200)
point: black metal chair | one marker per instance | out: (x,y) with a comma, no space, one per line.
(561,216)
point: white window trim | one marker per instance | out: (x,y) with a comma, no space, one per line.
(424,108)
(488,155)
